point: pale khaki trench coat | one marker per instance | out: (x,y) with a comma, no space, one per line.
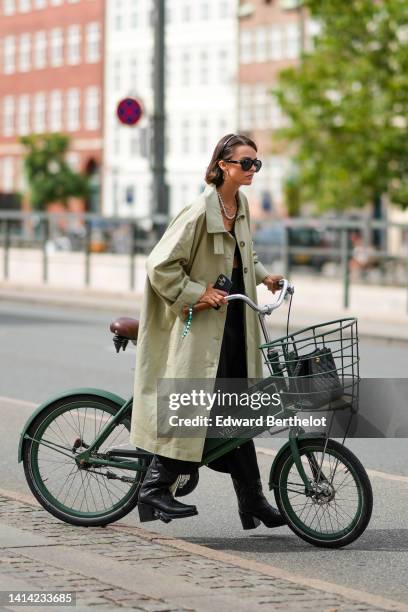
(192,252)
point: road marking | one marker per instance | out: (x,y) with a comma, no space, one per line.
(260,449)
(12,400)
(247,564)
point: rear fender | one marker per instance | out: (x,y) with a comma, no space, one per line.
(99,393)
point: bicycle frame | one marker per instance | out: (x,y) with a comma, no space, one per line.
(213,449)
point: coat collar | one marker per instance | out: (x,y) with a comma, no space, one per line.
(215,223)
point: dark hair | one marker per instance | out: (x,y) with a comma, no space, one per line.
(224,150)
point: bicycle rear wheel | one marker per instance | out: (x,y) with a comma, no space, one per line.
(94,495)
(338,509)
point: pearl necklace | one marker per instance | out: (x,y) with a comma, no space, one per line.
(224,209)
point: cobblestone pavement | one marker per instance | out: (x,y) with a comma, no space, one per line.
(124,568)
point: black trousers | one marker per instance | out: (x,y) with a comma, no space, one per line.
(241,462)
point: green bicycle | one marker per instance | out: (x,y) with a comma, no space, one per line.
(75,463)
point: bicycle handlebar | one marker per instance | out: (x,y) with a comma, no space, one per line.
(286,288)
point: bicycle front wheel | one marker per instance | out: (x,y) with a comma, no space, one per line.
(90,496)
(338,508)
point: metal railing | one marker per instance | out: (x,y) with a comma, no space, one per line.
(91,234)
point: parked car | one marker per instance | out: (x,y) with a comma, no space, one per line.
(269,241)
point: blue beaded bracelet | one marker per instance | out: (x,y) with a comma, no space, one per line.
(188,323)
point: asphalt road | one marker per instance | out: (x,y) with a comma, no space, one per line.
(44,350)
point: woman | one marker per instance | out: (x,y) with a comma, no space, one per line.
(207,238)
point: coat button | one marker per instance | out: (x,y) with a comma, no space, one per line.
(242,243)
(245,270)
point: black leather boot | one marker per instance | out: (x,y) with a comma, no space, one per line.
(253,506)
(155,500)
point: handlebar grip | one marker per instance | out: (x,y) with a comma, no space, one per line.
(197,307)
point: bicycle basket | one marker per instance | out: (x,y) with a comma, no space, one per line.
(318,367)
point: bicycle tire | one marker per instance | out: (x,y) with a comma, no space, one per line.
(293,516)
(41,489)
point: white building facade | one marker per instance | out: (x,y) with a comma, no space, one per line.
(201,98)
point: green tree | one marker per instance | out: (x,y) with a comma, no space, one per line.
(49,177)
(347,105)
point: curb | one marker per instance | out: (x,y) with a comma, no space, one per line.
(247,564)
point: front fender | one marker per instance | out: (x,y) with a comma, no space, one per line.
(70,392)
(274,464)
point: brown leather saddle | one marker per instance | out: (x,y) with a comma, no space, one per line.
(124,329)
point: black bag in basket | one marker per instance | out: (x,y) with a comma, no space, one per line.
(318,383)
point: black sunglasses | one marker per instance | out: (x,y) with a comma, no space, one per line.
(246,163)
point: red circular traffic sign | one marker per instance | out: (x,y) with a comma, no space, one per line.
(129,111)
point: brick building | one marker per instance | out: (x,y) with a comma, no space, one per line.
(51,66)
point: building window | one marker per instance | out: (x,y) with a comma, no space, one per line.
(8,174)
(25,52)
(246,107)
(74,44)
(246,47)
(39,113)
(56,110)
(185,68)
(40,4)
(203,68)
(224,9)
(73,109)
(292,41)
(9,51)
(134,19)
(204,136)
(275,113)
(9,7)
(130,195)
(275,43)
(222,126)
(24,6)
(260,101)
(56,49)
(92,110)
(185,137)
(204,11)
(261,52)
(40,50)
(8,116)
(23,115)
(223,66)
(56,2)
(93,38)
(118,17)
(186,11)
(116,74)
(133,72)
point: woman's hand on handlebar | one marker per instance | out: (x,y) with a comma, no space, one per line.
(272,282)
(213,297)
